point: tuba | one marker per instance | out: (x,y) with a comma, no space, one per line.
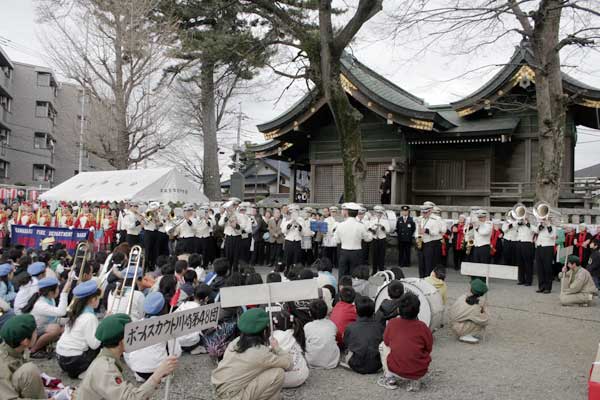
(519,212)
(544,212)
(136,260)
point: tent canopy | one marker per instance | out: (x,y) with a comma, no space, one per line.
(160,184)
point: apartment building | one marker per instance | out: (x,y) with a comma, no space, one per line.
(40,126)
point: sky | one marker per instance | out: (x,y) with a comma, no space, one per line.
(434,75)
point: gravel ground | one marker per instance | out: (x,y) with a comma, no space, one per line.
(534,349)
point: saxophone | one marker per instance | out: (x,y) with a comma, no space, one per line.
(470,241)
(419,243)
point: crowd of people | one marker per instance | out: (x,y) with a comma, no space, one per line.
(72,308)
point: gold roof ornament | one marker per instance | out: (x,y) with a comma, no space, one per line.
(421,124)
(347,85)
(589,103)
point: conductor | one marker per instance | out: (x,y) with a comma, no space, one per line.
(350,234)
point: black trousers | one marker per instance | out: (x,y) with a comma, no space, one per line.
(481,254)
(163,244)
(76,365)
(245,244)
(332,254)
(133,240)
(185,245)
(349,259)
(258,255)
(233,245)
(509,252)
(421,263)
(276,253)
(544,258)
(432,256)
(404,254)
(205,248)
(525,254)
(151,248)
(365,252)
(378,251)
(458,256)
(292,252)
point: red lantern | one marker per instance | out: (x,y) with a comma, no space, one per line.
(33,195)
(13,193)
(3,193)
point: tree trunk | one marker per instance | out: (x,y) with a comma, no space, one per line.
(210,170)
(346,118)
(121,161)
(551,104)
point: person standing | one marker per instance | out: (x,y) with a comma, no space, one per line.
(203,231)
(510,243)
(544,255)
(258,235)
(349,235)
(430,233)
(496,244)
(150,224)
(481,236)
(291,227)
(405,230)
(186,231)
(132,224)
(582,242)
(230,221)
(276,238)
(247,222)
(458,242)
(330,248)
(526,252)
(379,227)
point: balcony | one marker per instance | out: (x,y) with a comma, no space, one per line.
(576,193)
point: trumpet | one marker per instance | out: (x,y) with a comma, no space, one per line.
(149,217)
(136,259)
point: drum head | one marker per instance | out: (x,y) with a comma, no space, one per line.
(425,308)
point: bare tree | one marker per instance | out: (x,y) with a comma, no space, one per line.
(113,50)
(308,28)
(545,26)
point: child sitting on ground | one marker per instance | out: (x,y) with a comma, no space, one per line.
(344,313)
(467,317)
(438,280)
(406,347)
(289,334)
(360,280)
(389,307)
(362,339)
(321,348)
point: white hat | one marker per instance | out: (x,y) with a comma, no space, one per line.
(437,210)
(204,207)
(333,208)
(362,209)
(351,206)
(426,207)
(153,206)
(482,213)
(235,200)
(379,209)
(429,203)
(188,207)
(293,207)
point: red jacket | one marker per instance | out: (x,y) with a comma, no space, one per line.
(342,315)
(411,343)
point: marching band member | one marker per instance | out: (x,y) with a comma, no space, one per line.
(203,233)
(132,224)
(104,379)
(230,221)
(306,244)
(44,218)
(66,219)
(458,241)
(510,242)
(4,226)
(276,238)
(363,217)
(379,227)
(78,346)
(481,237)
(582,244)
(292,226)
(330,249)
(405,230)
(25,215)
(150,223)
(349,235)
(525,234)
(496,243)
(429,231)
(144,362)
(246,235)
(137,309)
(445,232)
(85,220)
(161,232)
(186,231)
(544,254)
(109,225)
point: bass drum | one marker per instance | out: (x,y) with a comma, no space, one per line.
(431,311)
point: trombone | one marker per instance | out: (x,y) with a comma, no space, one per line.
(82,255)
(136,259)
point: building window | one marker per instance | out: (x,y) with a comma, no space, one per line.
(7,71)
(44,109)
(4,140)
(4,169)
(43,78)
(43,173)
(43,140)
(6,103)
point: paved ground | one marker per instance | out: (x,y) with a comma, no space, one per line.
(534,349)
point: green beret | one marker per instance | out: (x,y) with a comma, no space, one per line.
(112,329)
(17,329)
(573,259)
(253,321)
(478,287)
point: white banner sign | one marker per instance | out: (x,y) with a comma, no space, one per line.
(269,293)
(490,270)
(150,331)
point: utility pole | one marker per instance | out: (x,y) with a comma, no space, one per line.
(83,95)
(239,133)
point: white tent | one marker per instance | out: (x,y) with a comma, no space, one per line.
(161,184)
